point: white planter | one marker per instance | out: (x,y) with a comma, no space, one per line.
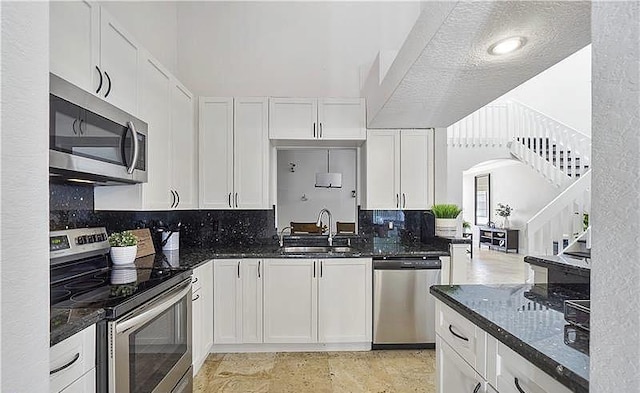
(123,255)
(448,227)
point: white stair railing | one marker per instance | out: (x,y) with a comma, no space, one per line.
(561,219)
(486,127)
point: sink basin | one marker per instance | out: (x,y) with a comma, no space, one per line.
(313,249)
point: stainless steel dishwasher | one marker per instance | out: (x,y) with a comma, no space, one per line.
(403,308)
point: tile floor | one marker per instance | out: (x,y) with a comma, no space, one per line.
(373,371)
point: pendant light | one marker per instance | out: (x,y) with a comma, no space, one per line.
(328,179)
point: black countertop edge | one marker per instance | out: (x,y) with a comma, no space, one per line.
(567,264)
(556,370)
(64,323)
(456,240)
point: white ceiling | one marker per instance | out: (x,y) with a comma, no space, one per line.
(453,74)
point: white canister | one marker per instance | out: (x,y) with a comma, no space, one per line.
(170,240)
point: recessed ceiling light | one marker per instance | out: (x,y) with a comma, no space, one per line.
(507,45)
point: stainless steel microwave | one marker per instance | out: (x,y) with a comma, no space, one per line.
(90,140)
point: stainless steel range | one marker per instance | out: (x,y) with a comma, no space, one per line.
(144,345)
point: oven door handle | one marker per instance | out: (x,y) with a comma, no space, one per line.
(155,308)
(134,135)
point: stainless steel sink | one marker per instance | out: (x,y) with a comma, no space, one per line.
(314,249)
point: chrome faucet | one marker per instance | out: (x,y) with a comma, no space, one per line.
(319,223)
(281,235)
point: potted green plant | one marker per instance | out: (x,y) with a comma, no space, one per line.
(448,223)
(124,247)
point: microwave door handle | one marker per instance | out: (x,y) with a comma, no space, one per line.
(134,159)
(154,309)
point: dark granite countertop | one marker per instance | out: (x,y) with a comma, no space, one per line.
(529,323)
(64,323)
(562,262)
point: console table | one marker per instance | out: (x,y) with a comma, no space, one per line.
(500,239)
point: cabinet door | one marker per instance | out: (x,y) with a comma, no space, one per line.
(293,118)
(155,109)
(196,329)
(227,298)
(216,152)
(119,63)
(251,277)
(383,169)
(183,143)
(460,260)
(251,153)
(344,300)
(416,169)
(341,118)
(74,41)
(202,319)
(290,301)
(454,374)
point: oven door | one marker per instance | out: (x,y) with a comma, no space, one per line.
(150,348)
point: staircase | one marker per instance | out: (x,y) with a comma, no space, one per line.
(556,151)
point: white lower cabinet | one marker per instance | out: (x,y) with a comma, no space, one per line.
(290,301)
(515,375)
(71,360)
(454,374)
(202,314)
(237,301)
(468,359)
(344,300)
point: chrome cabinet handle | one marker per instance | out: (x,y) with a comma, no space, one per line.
(236,199)
(178,195)
(397,201)
(195,280)
(109,88)
(100,83)
(134,159)
(314,130)
(230,200)
(173,195)
(477,389)
(314,269)
(517,383)
(80,127)
(196,298)
(238,269)
(456,334)
(321,263)
(320,130)
(57,370)
(73,127)
(404,200)
(259,262)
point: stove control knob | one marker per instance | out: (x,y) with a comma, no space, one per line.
(81,240)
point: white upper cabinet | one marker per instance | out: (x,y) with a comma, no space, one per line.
(399,167)
(234,153)
(183,148)
(155,110)
(119,64)
(91,50)
(293,118)
(74,39)
(313,119)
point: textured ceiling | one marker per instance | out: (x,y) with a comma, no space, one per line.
(453,74)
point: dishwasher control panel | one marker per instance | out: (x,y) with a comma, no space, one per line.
(407,263)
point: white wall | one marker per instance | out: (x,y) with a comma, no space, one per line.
(154,24)
(460,159)
(301,49)
(615,272)
(293,185)
(24,196)
(562,92)
(512,183)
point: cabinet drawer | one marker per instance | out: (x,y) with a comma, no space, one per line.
(454,374)
(86,384)
(198,276)
(463,336)
(513,371)
(73,357)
